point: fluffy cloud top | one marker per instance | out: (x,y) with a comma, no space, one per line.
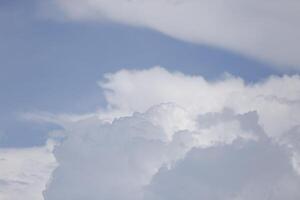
(276,99)
(266,30)
(172,136)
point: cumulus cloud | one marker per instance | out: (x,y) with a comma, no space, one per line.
(168,135)
(276,99)
(117,160)
(265,30)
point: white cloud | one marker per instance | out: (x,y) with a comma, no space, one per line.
(166,135)
(276,99)
(117,160)
(25,172)
(266,30)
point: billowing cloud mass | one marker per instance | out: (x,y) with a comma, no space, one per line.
(267,30)
(168,136)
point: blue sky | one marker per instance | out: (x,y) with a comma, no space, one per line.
(51,65)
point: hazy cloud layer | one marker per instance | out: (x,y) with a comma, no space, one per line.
(266,30)
(25,172)
(171,136)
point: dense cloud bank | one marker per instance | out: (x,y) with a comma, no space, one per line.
(168,136)
(266,30)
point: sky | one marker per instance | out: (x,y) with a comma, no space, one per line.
(151,100)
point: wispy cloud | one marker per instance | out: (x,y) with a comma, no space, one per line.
(266,30)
